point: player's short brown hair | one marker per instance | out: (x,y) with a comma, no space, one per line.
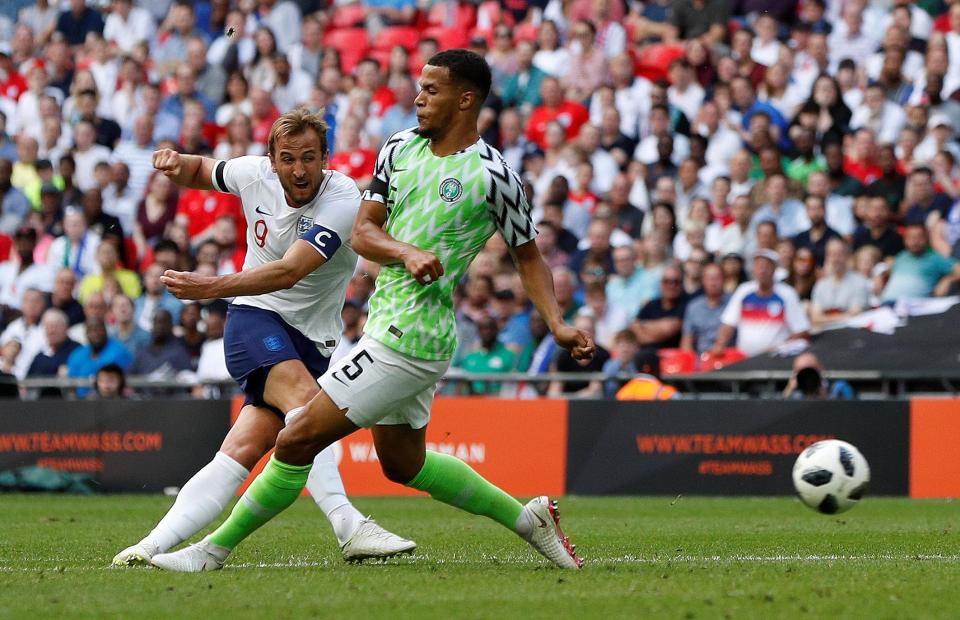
(295,122)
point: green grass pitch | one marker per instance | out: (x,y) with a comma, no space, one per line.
(645,557)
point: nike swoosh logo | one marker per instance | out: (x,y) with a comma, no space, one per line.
(262,212)
(334,375)
(540,519)
(400,169)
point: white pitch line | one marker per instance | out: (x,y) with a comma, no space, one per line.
(626,559)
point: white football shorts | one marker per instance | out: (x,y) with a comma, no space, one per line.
(378,385)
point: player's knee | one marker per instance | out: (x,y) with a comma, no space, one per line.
(295,439)
(307,390)
(246,453)
(401,473)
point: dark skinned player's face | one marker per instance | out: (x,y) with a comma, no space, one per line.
(439,101)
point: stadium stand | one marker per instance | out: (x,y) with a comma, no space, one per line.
(653,138)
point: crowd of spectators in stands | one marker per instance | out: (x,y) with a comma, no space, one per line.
(703,175)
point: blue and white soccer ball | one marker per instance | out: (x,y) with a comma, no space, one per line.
(831,476)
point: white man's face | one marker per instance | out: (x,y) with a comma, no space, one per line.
(55,329)
(835,255)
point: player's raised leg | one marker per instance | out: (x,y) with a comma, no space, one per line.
(405,460)
(207,493)
(358,536)
(275,489)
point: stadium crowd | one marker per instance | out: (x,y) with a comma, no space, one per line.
(706,175)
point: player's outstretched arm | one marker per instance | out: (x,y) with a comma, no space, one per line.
(191,171)
(300,260)
(372,242)
(538,282)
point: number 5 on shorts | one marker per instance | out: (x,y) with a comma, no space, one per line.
(357,369)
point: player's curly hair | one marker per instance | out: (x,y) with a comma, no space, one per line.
(297,121)
(465,66)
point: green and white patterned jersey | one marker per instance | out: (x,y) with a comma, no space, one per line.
(449,206)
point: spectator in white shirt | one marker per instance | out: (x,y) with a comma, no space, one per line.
(27,331)
(766,47)
(605,167)
(841,293)
(137,154)
(127,25)
(291,88)
(896,37)
(235,50)
(283,19)
(20,273)
(722,141)
(212,365)
(552,58)
(87,154)
(764,314)
(740,181)
(684,93)
(120,199)
(659,121)
(917,21)
(788,213)
(880,115)
(735,236)
(306,54)
(631,96)
(850,39)
(77,247)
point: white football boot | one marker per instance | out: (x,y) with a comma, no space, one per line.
(136,555)
(199,557)
(372,541)
(546,536)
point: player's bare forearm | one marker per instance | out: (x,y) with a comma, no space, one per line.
(723,338)
(300,260)
(372,242)
(538,283)
(193,171)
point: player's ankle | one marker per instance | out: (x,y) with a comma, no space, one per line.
(344,520)
(524,525)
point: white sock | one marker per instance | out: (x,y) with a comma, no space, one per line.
(200,501)
(326,487)
(524,525)
(292,414)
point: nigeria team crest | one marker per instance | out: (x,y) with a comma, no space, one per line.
(450,190)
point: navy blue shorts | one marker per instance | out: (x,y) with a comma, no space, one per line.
(255,340)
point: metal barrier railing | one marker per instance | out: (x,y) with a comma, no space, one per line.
(721,383)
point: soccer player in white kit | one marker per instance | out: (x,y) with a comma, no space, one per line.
(282,326)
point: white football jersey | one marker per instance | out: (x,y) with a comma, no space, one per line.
(313,304)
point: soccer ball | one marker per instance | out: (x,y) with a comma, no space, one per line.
(831,476)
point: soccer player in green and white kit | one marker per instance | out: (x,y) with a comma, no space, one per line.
(438,194)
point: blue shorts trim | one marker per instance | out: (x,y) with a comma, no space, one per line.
(255,340)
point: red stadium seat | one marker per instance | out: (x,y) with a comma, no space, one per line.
(463,17)
(677,361)
(448,38)
(397,35)
(525,32)
(342,39)
(348,16)
(381,56)
(489,14)
(653,61)
(709,361)
(351,43)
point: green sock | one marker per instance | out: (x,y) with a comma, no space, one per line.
(277,486)
(451,481)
